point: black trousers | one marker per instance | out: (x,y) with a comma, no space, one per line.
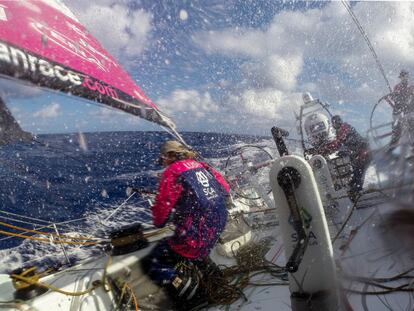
(358,176)
(395,133)
(179,276)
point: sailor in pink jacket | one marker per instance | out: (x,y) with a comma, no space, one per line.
(193,197)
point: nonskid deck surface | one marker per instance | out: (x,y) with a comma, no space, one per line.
(374,260)
(365,253)
(263,296)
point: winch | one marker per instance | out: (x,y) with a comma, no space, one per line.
(128,239)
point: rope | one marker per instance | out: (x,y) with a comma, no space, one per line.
(388,289)
(146,235)
(43,227)
(380,280)
(346,220)
(46,240)
(26,217)
(50,224)
(121,205)
(354,207)
(368,42)
(44,233)
(134,297)
(34,281)
(384,292)
(23,222)
(371,118)
(225,286)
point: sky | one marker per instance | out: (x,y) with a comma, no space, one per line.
(238,66)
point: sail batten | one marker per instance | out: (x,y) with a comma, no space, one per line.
(45,46)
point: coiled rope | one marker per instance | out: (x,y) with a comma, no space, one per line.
(226,286)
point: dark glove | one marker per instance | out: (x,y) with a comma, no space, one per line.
(310,152)
(343,153)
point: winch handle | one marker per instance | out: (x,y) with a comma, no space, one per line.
(278,134)
(289,180)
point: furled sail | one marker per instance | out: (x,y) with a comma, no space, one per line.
(42,43)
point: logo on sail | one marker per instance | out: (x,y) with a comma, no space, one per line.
(81,48)
(3,16)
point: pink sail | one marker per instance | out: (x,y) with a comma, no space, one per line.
(45,46)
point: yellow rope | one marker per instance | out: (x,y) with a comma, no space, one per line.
(19,284)
(45,240)
(34,281)
(43,233)
(134,297)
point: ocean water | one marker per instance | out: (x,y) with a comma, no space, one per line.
(79,180)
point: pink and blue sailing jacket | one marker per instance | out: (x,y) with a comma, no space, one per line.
(193,196)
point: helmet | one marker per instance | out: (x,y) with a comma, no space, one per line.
(403,74)
(336,121)
(318,129)
(307,98)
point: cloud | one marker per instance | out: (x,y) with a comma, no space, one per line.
(268,104)
(232,41)
(269,92)
(318,50)
(328,32)
(256,111)
(273,71)
(50,111)
(249,111)
(192,103)
(121,30)
(392,29)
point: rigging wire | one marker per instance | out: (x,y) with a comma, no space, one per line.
(175,134)
(18,235)
(120,206)
(26,217)
(368,42)
(49,224)
(44,233)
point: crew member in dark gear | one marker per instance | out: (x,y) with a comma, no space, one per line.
(402,101)
(351,142)
(193,197)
